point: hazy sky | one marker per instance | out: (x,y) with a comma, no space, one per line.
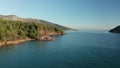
(83,14)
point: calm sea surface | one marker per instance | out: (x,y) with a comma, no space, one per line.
(76,49)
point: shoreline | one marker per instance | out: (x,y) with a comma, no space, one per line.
(15,42)
(48,37)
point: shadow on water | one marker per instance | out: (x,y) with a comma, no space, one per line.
(26,45)
(6,48)
(40,44)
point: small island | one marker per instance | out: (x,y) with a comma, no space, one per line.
(14,30)
(115,30)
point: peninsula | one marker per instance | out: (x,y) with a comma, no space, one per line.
(14,30)
(115,30)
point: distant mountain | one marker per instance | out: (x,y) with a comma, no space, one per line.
(115,30)
(16,18)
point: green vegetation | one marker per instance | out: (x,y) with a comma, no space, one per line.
(16,18)
(16,30)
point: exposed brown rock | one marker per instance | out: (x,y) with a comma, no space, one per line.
(46,38)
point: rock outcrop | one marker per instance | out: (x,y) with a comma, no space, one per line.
(46,38)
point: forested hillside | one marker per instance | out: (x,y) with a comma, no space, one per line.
(16,30)
(16,18)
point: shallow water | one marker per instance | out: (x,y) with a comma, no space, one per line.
(76,49)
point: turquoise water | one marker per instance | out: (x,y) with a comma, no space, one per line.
(76,49)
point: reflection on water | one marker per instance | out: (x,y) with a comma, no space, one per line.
(6,48)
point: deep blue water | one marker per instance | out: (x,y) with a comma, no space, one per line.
(76,49)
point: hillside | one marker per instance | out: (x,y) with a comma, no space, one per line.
(13,31)
(115,30)
(16,18)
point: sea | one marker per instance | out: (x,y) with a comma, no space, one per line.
(75,49)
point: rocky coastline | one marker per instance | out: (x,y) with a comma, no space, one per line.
(17,31)
(47,37)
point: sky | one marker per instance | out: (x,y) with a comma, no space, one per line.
(77,14)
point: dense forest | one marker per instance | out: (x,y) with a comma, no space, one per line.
(16,30)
